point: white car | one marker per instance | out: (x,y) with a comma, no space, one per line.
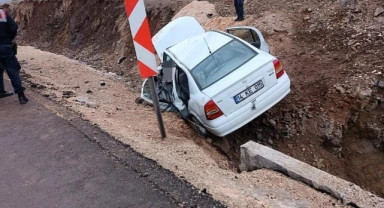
(218,80)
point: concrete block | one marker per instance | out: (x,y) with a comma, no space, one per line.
(256,156)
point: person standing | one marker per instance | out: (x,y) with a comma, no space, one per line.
(8,60)
(239,6)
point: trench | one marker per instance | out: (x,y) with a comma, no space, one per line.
(74,25)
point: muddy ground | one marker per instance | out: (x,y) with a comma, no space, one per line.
(332,50)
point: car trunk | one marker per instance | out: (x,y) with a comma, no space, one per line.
(243,85)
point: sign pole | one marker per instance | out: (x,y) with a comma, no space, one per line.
(145,52)
(156,106)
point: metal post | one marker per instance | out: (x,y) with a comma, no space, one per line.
(156,106)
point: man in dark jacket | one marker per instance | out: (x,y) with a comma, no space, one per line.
(8,60)
(239,6)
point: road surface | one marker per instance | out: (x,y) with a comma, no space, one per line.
(47,161)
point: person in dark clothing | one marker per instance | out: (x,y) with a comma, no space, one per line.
(239,6)
(8,60)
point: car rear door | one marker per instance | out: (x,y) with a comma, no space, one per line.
(251,35)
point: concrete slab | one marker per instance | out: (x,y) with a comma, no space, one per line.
(256,156)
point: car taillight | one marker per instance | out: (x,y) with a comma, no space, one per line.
(212,111)
(278,68)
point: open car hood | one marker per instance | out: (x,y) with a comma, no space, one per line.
(175,32)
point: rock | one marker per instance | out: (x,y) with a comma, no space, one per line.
(354,118)
(351,42)
(259,136)
(272,122)
(312,27)
(121,59)
(312,52)
(340,89)
(287,117)
(86,102)
(374,132)
(222,144)
(380,84)
(331,133)
(379,11)
(357,10)
(307,17)
(210,15)
(365,93)
(68,94)
(279,30)
(82,99)
(290,146)
(38,86)
(285,131)
(380,20)
(347,2)
(102,83)
(145,175)
(270,141)
(335,142)
(89,91)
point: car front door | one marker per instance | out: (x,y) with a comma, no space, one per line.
(172,73)
(251,35)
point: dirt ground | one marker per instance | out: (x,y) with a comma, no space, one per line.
(332,51)
(105,100)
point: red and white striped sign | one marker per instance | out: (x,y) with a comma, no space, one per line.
(142,38)
(3,16)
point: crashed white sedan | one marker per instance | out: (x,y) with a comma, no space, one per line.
(218,81)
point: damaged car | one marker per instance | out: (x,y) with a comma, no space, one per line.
(218,81)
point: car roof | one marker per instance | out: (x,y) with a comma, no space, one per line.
(192,51)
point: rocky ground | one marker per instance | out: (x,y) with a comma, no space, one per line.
(332,50)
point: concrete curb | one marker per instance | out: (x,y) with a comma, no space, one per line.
(256,156)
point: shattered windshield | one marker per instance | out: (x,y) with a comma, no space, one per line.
(222,62)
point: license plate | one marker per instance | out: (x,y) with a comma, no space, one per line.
(249,91)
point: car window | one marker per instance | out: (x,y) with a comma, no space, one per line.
(248,35)
(221,63)
(182,85)
(244,34)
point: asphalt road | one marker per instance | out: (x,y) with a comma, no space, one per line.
(47,161)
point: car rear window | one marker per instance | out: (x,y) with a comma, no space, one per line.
(221,63)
